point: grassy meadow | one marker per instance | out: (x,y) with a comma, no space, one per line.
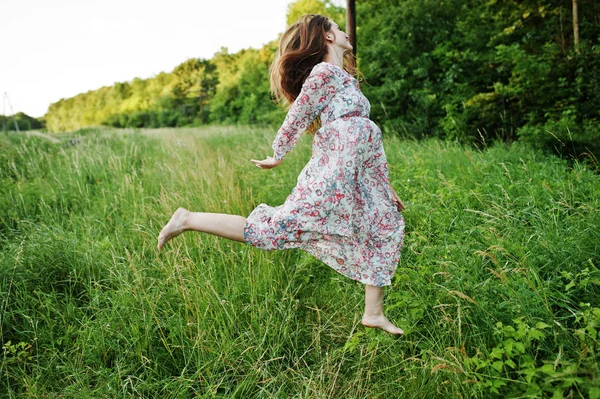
(498,288)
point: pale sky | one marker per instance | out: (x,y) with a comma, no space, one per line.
(53,49)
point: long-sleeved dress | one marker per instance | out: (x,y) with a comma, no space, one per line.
(341,210)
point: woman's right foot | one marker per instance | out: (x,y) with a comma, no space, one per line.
(380,321)
(175,227)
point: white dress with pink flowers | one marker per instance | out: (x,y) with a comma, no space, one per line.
(341,210)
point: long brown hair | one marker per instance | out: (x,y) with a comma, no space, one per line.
(302,46)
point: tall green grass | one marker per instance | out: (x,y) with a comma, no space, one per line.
(498,288)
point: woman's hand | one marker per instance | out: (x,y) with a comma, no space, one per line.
(268,163)
(396,200)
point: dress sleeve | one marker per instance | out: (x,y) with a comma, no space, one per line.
(317,91)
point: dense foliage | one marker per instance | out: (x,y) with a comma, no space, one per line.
(497,288)
(20,120)
(472,70)
(479,70)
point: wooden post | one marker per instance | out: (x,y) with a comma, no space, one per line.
(351,23)
(575,27)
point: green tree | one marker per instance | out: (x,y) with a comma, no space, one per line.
(193,84)
(477,70)
(23,121)
(323,7)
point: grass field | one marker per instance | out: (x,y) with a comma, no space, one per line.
(498,288)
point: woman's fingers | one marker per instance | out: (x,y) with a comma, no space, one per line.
(401,206)
(398,201)
(268,163)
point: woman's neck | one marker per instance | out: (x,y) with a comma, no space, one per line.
(334,57)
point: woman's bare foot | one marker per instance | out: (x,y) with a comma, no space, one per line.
(380,321)
(175,227)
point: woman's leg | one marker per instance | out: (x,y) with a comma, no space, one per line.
(219,224)
(374,316)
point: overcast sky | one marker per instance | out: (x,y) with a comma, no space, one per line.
(53,49)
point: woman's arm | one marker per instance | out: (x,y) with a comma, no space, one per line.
(317,91)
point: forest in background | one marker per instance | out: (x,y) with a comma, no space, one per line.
(466,70)
(22,121)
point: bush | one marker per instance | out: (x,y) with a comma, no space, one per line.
(565,137)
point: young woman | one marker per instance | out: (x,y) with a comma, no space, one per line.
(343,209)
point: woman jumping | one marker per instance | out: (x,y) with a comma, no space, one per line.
(343,209)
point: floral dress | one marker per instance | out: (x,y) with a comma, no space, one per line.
(341,210)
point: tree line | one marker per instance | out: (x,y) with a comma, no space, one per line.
(22,121)
(474,70)
(466,70)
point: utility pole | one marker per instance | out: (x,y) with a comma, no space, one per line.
(4,115)
(575,27)
(7,100)
(351,23)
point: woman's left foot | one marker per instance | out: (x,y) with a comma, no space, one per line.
(380,321)
(175,227)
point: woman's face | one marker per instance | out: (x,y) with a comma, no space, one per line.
(340,38)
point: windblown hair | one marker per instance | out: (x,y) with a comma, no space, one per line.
(302,46)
